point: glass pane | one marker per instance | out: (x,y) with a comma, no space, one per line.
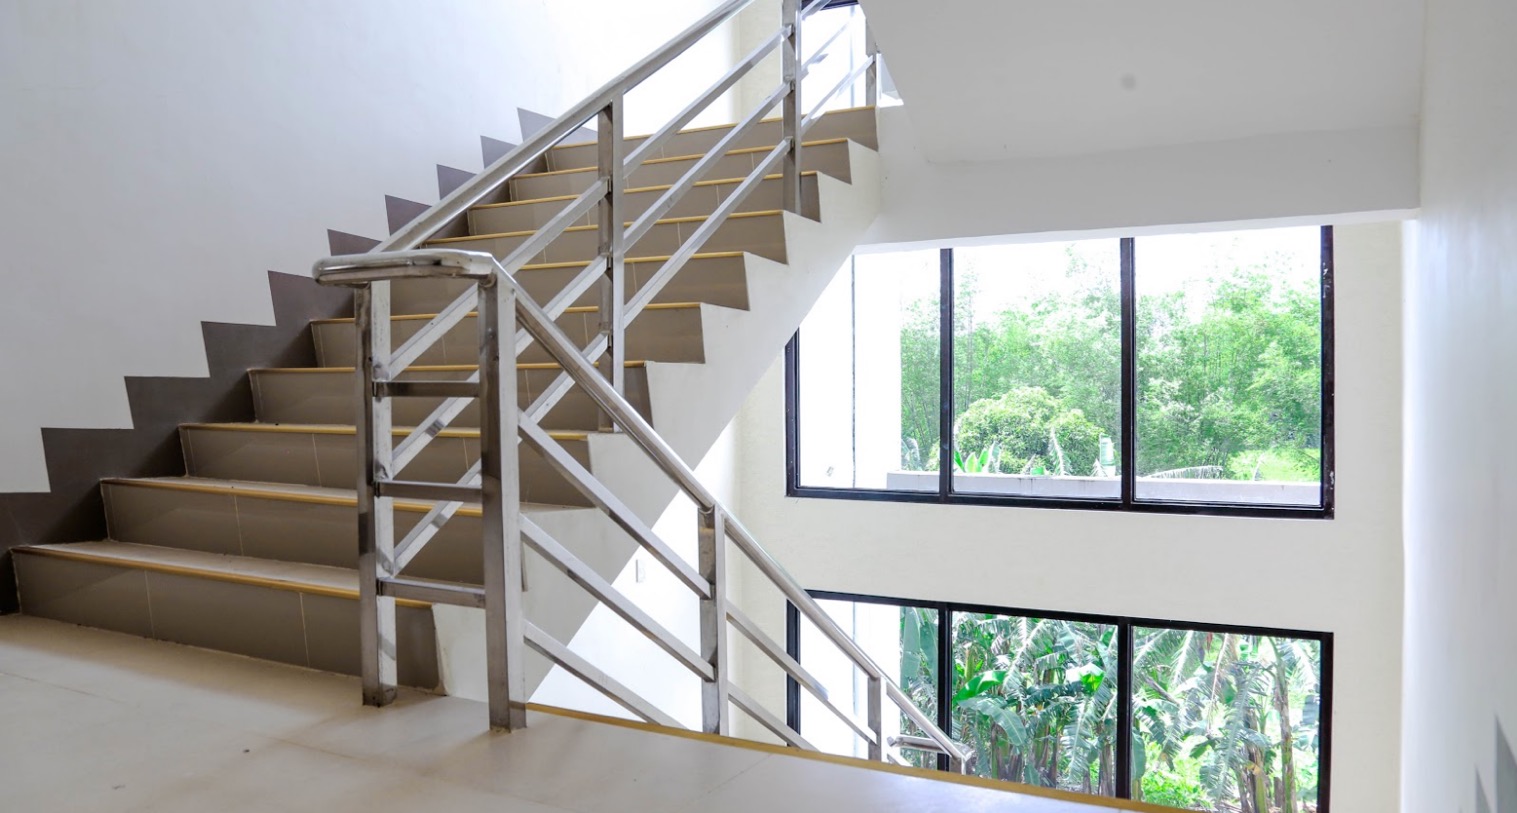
(1037,360)
(1226,721)
(1230,367)
(1036,700)
(843,57)
(868,374)
(902,640)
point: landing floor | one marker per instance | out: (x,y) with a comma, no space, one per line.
(97,721)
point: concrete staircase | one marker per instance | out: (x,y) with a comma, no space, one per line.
(252,550)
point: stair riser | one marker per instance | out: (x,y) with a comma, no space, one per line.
(763,235)
(281,530)
(329,460)
(717,280)
(699,201)
(856,124)
(305,629)
(831,159)
(672,334)
(327,398)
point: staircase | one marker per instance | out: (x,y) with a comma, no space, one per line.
(678,263)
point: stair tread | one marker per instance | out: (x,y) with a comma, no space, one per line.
(299,576)
(408,317)
(710,127)
(294,492)
(634,190)
(663,222)
(673,158)
(435,368)
(345,429)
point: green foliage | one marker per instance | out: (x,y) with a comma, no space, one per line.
(1227,369)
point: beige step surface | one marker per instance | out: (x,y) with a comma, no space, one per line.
(758,232)
(826,156)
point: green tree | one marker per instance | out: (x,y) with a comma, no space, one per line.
(1028,428)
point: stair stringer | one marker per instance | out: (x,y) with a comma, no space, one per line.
(692,404)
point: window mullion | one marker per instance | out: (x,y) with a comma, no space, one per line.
(945,374)
(1129,293)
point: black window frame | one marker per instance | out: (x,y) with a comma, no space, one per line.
(1128,500)
(1125,625)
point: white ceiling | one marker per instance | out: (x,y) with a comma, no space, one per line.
(993,79)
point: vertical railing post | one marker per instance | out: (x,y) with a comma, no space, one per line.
(376,527)
(875,697)
(712,563)
(872,73)
(790,15)
(501,504)
(613,247)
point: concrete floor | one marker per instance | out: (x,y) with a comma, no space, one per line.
(93,720)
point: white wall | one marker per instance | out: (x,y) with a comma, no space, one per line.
(161,155)
(1307,177)
(1461,540)
(1342,575)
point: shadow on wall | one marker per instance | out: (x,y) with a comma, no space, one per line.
(78,459)
(1506,779)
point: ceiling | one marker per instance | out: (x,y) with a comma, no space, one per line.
(995,79)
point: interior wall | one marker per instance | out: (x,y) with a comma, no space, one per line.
(1341,575)
(1461,526)
(163,155)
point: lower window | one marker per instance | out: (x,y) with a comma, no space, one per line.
(1192,716)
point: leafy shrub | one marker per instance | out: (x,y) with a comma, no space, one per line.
(1030,427)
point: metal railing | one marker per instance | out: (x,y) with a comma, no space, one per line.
(494,482)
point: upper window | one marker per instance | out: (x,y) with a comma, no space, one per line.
(1181,373)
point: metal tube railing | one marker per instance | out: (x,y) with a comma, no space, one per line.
(493,482)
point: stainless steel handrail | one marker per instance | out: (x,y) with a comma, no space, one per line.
(494,481)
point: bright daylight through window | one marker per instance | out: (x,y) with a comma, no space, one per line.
(1217,718)
(1178,372)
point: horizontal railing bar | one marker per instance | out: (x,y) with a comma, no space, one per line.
(775,725)
(601,497)
(438,516)
(362,269)
(460,200)
(594,677)
(672,195)
(550,231)
(684,117)
(412,490)
(433,592)
(817,112)
(793,668)
(426,389)
(697,240)
(916,743)
(434,329)
(596,585)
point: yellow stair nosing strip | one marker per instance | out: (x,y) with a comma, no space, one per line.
(577,309)
(709,127)
(274,495)
(229,577)
(633,191)
(661,258)
(336,429)
(825,142)
(664,222)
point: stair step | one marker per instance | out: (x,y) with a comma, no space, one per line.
(828,156)
(325,395)
(283,522)
(716,278)
(702,199)
(325,455)
(670,331)
(294,613)
(761,233)
(857,123)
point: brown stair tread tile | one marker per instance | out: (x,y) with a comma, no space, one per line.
(291,492)
(664,222)
(634,190)
(709,127)
(673,158)
(409,317)
(279,575)
(433,368)
(345,429)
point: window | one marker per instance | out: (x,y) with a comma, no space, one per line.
(1193,716)
(1183,373)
